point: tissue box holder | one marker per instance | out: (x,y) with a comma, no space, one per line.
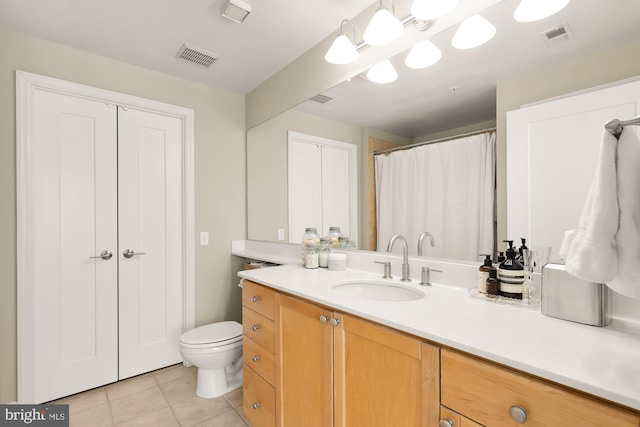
(568,298)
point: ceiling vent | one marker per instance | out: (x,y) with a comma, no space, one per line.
(196,56)
(556,35)
(322,98)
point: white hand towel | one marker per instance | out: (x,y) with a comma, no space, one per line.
(592,255)
(627,281)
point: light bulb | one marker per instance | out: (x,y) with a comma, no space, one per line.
(473,32)
(423,55)
(535,10)
(342,51)
(382,73)
(383,29)
(432,9)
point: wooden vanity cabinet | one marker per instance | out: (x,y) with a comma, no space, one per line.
(339,370)
(258,344)
(487,393)
(449,418)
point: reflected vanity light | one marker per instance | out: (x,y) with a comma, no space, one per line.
(343,51)
(384,27)
(432,9)
(473,32)
(535,10)
(382,73)
(423,55)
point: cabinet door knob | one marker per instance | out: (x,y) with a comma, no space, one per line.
(323,318)
(518,413)
(334,322)
(255,405)
(255,358)
(255,328)
(255,298)
(446,423)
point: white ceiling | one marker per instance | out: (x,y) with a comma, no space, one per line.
(148,33)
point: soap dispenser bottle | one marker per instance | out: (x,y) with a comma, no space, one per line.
(511,274)
(520,256)
(483,273)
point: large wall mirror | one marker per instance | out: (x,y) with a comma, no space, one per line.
(456,95)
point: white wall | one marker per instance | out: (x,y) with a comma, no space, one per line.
(220,190)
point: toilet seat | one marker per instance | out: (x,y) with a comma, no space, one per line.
(212,335)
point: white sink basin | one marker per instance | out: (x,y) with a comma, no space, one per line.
(377,290)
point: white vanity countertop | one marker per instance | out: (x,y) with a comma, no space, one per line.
(604,362)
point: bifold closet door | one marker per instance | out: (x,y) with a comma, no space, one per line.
(151,227)
(75,262)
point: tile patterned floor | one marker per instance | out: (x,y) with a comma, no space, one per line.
(163,398)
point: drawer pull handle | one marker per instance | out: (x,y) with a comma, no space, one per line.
(255,405)
(323,319)
(518,413)
(446,423)
(334,322)
(255,328)
(255,358)
(255,298)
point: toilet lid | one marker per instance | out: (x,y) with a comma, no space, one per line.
(212,333)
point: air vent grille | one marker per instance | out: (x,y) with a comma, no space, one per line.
(322,98)
(557,34)
(196,56)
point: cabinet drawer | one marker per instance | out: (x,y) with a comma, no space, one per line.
(258,298)
(261,360)
(258,328)
(259,400)
(485,392)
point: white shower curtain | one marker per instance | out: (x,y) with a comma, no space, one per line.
(446,189)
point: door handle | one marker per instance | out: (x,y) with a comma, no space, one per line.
(129,253)
(105,255)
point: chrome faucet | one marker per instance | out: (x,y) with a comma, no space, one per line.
(405,255)
(421,239)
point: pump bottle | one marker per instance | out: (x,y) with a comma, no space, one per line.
(511,274)
(483,273)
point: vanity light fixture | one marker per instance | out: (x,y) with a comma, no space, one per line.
(423,55)
(473,32)
(535,10)
(384,27)
(382,73)
(432,9)
(236,10)
(343,51)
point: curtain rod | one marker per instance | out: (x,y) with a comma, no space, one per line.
(444,139)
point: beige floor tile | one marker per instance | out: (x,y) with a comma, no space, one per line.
(228,419)
(85,400)
(179,389)
(174,372)
(196,410)
(235,398)
(161,418)
(97,416)
(130,386)
(137,405)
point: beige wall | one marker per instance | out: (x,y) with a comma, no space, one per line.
(220,192)
(267,209)
(602,68)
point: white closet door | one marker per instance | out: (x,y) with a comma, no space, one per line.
(336,190)
(75,195)
(150,181)
(305,188)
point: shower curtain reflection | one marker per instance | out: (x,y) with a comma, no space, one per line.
(447,189)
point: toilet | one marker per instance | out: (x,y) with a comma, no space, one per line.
(216,350)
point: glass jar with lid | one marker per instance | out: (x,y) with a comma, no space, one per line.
(309,239)
(325,250)
(345,243)
(334,234)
